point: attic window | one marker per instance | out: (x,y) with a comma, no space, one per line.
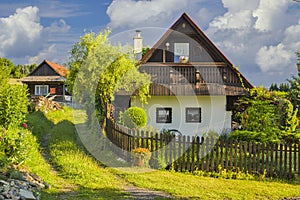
(181,52)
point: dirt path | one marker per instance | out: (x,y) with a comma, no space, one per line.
(141,193)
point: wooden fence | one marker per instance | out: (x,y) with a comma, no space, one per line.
(187,153)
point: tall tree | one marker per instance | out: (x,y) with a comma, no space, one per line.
(99,70)
(294,91)
(6,67)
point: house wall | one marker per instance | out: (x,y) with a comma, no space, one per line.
(58,87)
(214,116)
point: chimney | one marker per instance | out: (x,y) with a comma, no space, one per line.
(137,45)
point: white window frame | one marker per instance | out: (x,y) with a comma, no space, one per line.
(181,50)
(37,90)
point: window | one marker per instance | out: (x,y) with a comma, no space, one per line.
(181,52)
(193,115)
(163,115)
(41,90)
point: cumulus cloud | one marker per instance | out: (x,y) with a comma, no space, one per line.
(273,58)
(20,34)
(49,54)
(270,14)
(22,37)
(280,57)
(259,35)
(132,13)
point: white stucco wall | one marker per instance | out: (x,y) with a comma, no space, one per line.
(213,113)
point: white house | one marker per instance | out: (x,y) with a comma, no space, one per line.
(193,84)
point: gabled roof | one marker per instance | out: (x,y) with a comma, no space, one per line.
(215,50)
(60,70)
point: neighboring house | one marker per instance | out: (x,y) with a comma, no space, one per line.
(47,79)
(193,85)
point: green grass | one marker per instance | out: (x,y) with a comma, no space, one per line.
(183,185)
(79,176)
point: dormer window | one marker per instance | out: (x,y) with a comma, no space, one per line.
(181,52)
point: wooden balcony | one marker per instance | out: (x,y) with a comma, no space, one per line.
(195,89)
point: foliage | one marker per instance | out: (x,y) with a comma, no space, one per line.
(13,100)
(287,116)
(100,70)
(258,136)
(15,145)
(6,67)
(294,92)
(264,115)
(134,117)
(13,104)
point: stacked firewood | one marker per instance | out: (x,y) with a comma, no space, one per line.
(45,104)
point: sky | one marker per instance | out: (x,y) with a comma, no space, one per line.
(259,36)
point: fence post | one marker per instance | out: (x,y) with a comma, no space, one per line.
(272,160)
(298,159)
(198,152)
(285,160)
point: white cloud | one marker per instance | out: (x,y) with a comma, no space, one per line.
(20,34)
(280,57)
(22,37)
(132,13)
(273,58)
(259,35)
(49,54)
(236,20)
(270,14)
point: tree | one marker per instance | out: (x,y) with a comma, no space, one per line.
(294,92)
(273,87)
(6,67)
(99,70)
(265,114)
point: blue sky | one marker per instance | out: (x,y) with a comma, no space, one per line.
(260,36)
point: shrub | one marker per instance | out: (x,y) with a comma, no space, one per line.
(13,105)
(244,135)
(134,117)
(15,145)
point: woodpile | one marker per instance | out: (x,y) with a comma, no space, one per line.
(45,104)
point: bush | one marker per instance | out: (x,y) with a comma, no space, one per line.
(134,117)
(15,145)
(13,105)
(244,135)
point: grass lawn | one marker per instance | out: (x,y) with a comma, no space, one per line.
(186,185)
(79,176)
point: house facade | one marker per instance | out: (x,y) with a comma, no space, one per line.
(194,85)
(47,79)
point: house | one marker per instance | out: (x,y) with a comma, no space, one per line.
(47,79)
(194,85)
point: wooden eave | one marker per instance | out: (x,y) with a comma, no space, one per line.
(195,64)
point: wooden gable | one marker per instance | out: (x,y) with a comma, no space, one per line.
(44,69)
(207,70)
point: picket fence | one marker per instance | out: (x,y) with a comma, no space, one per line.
(186,153)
